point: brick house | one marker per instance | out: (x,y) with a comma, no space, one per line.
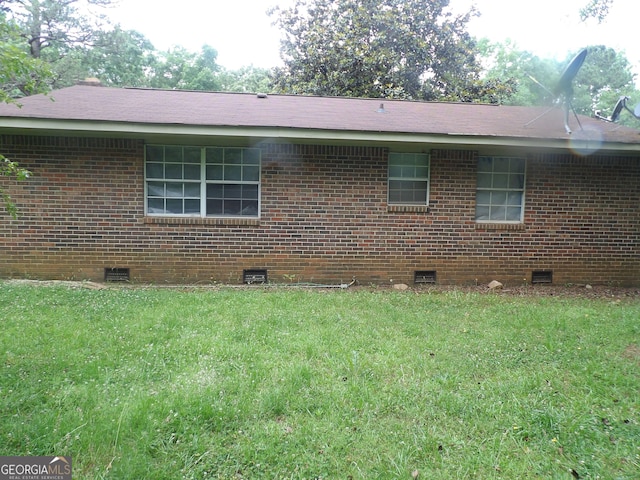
(175,186)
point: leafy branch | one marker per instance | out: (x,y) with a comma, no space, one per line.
(13,170)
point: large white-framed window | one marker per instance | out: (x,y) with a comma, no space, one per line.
(408,179)
(202,181)
(500,189)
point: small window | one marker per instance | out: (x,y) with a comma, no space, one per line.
(408,179)
(500,189)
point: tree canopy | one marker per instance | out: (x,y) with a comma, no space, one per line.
(598,9)
(415,49)
(604,76)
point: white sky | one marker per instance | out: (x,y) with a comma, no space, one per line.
(243,34)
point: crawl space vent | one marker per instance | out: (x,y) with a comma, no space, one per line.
(424,276)
(541,276)
(254,276)
(116,274)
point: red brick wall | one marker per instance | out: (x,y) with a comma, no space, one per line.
(324,219)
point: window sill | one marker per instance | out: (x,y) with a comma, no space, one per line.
(408,208)
(500,226)
(201,221)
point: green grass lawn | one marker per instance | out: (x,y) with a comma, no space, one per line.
(291,383)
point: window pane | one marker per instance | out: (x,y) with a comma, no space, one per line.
(500,180)
(155,170)
(250,192)
(482,212)
(232,172)
(174,206)
(214,172)
(516,181)
(514,199)
(233,156)
(484,180)
(483,198)
(155,205)
(192,155)
(251,174)
(192,190)
(422,172)
(155,153)
(517,165)
(215,190)
(232,207)
(499,198)
(174,189)
(214,207)
(173,154)
(214,155)
(249,208)
(155,189)
(173,171)
(192,206)
(501,165)
(514,214)
(497,213)
(485,164)
(395,171)
(251,156)
(192,172)
(233,191)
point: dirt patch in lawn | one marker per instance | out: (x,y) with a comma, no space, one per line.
(632,352)
(576,291)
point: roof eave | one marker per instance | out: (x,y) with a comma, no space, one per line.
(24,125)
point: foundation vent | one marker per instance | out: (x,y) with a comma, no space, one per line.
(541,276)
(424,276)
(116,274)
(254,276)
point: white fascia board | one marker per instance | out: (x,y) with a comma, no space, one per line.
(36,126)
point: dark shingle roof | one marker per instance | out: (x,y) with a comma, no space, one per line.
(85,103)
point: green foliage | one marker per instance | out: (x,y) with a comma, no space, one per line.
(246,79)
(598,9)
(119,58)
(20,74)
(604,76)
(284,383)
(376,48)
(12,170)
(180,69)
(61,25)
(532,76)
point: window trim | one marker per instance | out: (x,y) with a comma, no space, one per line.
(404,206)
(203,182)
(523,190)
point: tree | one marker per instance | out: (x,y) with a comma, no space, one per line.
(530,75)
(119,58)
(412,49)
(58,32)
(246,79)
(605,76)
(54,23)
(597,9)
(19,75)
(180,69)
